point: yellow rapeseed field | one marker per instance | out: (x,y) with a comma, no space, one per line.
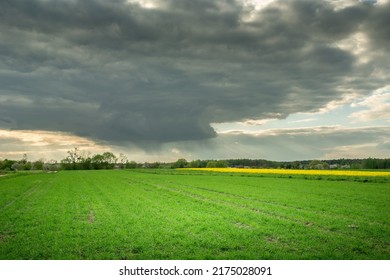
(296,171)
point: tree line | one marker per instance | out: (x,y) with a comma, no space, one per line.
(368,163)
(77,159)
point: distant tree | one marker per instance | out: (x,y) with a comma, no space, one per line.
(387,163)
(180,163)
(67,164)
(85,164)
(106,160)
(317,164)
(109,160)
(6,164)
(122,159)
(24,159)
(296,165)
(221,164)
(27,165)
(76,159)
(195,163)
(369,163)
(155,165)
(73,159)
(51,165)
(97,161)
(23,164)
(131,165)
(217,164)
(16,166)
(38,165)
(198,163)
(85,160)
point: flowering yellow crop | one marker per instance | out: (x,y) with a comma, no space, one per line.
(296,171)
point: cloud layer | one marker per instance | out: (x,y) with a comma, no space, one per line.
(118,72)
(324,142)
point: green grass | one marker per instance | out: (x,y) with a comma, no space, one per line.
(192,215)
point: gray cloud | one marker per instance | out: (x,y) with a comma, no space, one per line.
(121,73)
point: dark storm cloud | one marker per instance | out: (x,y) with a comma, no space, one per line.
(377,28)
(118,72)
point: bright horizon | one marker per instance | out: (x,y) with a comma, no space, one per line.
(160,80)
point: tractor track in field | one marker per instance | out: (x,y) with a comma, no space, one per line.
(270,214)
(27,193)
(24,195)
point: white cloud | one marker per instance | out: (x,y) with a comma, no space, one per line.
(285,131)
(347,98)
(303,120)
(175,151)
(146,4)
(357,44)
(255,122)
(377,106)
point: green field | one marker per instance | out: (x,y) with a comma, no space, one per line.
(121,214)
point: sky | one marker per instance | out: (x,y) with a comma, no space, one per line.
(160,80)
